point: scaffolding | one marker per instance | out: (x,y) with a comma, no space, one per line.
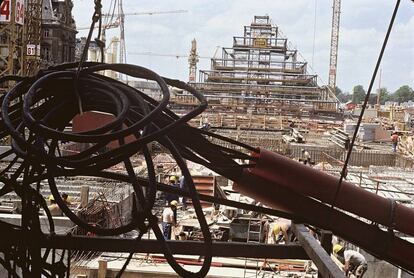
(260,75)
(11,37)
(32,36)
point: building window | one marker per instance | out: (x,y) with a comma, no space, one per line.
(46,33)
(46,53)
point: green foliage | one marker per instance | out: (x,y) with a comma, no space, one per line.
(337,91)
(403,94)
(342,97)
(384,96)
(358,94)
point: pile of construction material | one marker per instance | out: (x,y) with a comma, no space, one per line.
(406,145)
(340,138)
(349,128)
(294,136)
(368,132)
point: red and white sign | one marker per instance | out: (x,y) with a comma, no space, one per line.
(5,11)
(31,50)
(19,15)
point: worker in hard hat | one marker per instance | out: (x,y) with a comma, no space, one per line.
(53,207)
(172,196)
(169,219)
(306,157)
(282,230)
(65,198)
(355,262)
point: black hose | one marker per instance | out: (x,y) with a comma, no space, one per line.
(36,111)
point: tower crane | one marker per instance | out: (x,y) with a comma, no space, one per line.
(117,20)
(20,28)
(148,13)
(336,12)
(178,56)
(192,61)
(115,23)
(193,58)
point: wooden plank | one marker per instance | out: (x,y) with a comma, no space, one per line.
(326,267)
(84,196)
(102,269)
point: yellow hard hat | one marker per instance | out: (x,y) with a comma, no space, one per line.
(173,178)
(174,203)
(276,229)
(337,248)
(51,198)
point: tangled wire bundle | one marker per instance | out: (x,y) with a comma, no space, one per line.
(35,113)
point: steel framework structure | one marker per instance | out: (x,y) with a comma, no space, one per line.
(11,43)
(260,75)
(32,36)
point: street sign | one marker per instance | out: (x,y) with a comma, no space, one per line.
(5,11)
(31,50)
(20,10)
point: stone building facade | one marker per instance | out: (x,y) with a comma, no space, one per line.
(58,32)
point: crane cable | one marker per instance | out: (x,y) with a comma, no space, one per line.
(371,84)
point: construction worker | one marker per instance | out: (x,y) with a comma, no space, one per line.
(306,158)
(282,230)
(65,198)
(182,236)
(206,127)
(171,196)
(355,263)
(169,219)
(394,141)
(53,207)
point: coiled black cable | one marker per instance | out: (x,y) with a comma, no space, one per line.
(47,103)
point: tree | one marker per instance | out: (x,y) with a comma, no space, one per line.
(342,97)
(358,94)
(384,96)
(372,99)
(337,91)
(403,94)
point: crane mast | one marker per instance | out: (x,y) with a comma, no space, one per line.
(20,32)
(32,37)
(336,12)
(192,61)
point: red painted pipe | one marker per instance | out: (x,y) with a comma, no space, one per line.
(273,194)
(311,182)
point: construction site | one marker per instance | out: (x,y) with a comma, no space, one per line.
(252,167)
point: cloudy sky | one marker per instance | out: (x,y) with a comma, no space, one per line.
(214,22)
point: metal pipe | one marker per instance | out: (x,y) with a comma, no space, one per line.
(307,181)
(287,185)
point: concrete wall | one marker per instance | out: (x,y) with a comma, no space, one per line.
(358,158)
(378,268)
(62,223)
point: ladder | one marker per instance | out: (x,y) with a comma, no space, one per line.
(254,235)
